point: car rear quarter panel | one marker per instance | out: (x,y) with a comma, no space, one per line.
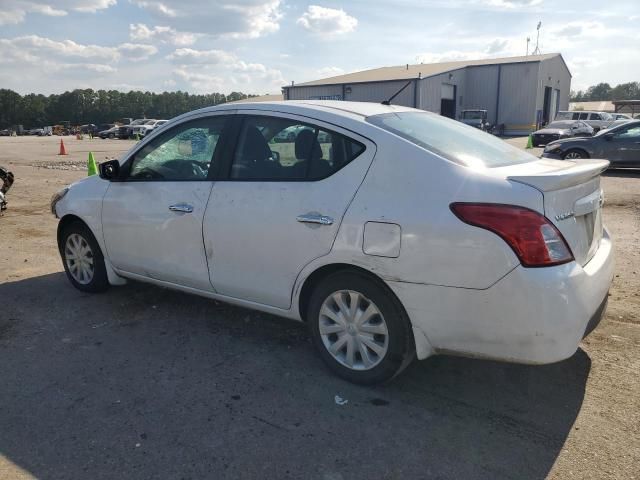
(412,188)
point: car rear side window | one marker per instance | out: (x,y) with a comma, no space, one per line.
(280,149)
(450,139)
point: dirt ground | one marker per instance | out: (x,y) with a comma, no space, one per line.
(142,382)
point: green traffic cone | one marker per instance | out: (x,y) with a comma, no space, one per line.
(137,137)
(92,168)
(529,142)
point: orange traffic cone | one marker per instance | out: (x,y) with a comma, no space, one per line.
(62,150)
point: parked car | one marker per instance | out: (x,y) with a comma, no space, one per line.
(409,235)
(597,120)
(619,145)
(621,116)
(476,118)
(5,133)
(126,131)
(147,127)
(560,129)
(109,133)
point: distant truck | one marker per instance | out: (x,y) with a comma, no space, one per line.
(476,118)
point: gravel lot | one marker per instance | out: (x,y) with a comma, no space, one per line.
(142,382)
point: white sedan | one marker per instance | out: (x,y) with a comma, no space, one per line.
(392,232)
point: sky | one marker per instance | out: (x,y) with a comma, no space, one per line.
(257,46)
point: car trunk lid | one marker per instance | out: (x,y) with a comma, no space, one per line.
(572,200)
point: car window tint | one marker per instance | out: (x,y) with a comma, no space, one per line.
(630,133)
(450,139)
(575,116)
(274,149)
(584,116)
(595,116)
(183,153)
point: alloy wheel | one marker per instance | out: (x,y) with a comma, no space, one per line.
(573,155)
(79,258)
(353,330)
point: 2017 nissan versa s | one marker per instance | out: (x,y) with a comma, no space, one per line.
(392,232)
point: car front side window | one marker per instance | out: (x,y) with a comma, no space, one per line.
(629,133)
(184,153)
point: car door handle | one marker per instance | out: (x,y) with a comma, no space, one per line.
(181,207)
(315,218)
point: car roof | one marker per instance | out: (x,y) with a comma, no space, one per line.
(338,107)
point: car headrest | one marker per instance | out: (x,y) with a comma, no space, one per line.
(307,146)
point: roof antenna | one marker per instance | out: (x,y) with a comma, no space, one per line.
(537,50)
(388,102)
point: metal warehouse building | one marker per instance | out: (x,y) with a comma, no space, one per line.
(517,92)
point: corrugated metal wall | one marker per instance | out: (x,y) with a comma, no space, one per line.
(305,93)
(431,88)
(555,74)
(518,91)
(380,91)
(481,90)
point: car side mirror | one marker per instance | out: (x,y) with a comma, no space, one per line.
(110,170)
(275,156)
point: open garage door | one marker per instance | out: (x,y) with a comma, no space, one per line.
(448,100)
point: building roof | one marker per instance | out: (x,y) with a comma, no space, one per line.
(404,72)
(592,106)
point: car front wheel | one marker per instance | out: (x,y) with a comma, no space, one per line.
(575,154)
(82,259)
(359,328)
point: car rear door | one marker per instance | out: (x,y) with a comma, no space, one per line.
(281,203)
(152,220)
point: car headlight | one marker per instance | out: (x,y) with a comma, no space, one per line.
(56,198)
(552,147)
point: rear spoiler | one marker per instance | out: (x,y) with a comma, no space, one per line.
(574,173)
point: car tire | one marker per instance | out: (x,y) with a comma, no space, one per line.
(111,135)
(575,154)
(378,332)
(86,271)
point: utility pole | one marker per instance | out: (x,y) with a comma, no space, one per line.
(537,50)
(528,40)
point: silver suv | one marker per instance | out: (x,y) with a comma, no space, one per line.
(597,120)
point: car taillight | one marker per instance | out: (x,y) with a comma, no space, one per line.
(532,237)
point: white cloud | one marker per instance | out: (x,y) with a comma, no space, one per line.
(327,21)
(136,51)
(140,31)
(15,11)
(189,55)
(240,19)
(514,3)
(327,72)
(216,70)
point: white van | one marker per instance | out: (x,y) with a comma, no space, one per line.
(598,120)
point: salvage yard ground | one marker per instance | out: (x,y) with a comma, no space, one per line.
(142,382)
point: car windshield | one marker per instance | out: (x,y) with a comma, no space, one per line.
(561,125)
(473,115)
(150,122)
(452,140)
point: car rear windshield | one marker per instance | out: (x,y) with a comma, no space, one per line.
(452,140)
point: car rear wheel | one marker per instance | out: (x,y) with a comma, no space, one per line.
(359,328)
(82,259)
(575,154)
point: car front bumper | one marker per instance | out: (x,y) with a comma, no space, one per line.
(531,315)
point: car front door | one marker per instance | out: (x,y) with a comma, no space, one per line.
(625,146)
(152,219)
(288,186)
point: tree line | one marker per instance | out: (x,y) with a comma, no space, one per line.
(605,92)
(82,106)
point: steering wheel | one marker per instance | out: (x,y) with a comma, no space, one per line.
(148,173)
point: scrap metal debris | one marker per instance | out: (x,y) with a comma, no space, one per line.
(7,179)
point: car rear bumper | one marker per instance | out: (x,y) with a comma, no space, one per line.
(532,315)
